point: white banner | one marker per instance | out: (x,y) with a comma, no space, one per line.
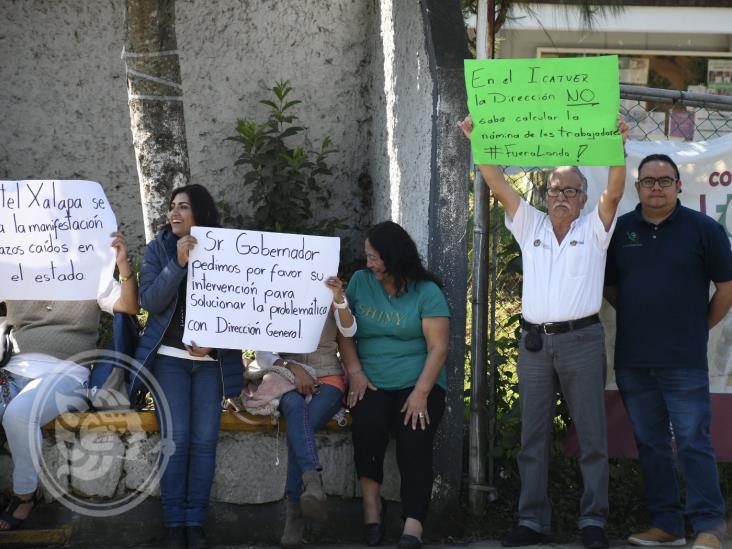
(55,240)
(258,290)
(706,176)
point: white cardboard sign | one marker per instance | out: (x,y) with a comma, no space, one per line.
(55,240)
(258,290)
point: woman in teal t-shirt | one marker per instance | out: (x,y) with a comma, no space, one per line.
(397,382)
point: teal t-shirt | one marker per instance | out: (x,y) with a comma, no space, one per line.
(389,338)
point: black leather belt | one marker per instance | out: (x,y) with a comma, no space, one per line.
(561,327)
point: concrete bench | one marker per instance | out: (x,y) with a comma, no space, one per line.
(145,421)
(105,454)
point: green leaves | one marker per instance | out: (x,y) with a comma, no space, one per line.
(286,180)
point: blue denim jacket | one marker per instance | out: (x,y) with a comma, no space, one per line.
(159,281)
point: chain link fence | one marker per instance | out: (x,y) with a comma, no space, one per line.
(652,114)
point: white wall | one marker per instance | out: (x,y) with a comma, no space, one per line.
(64,99)
(233,51)
(401,101)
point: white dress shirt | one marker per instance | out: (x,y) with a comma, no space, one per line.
(562,281)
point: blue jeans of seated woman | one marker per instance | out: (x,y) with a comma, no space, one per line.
(304,419)
(193,391)
(53,394)
(658,400)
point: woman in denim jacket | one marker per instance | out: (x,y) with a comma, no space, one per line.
(193,380)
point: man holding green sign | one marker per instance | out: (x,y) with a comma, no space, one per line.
(514,121)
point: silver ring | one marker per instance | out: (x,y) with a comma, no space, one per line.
(421,415)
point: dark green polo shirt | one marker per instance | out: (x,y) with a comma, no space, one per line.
(663,273)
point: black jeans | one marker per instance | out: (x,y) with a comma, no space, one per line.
(376,417)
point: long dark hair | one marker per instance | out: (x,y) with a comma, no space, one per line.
(399,254)
(205,212)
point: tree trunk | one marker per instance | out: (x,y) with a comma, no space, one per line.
(155,98)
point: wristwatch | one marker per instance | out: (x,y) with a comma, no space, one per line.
(343,305)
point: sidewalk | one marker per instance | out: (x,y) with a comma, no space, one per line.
(39,541)
(488,544)
(257,526)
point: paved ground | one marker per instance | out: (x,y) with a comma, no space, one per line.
(488,544)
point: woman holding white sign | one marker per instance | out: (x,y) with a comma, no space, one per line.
(398,382)
(194,380)
(307,409)
(41,379)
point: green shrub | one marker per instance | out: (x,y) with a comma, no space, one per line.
(286,182)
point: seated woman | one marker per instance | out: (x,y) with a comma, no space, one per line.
(46,336)
(194,380)
(399,386)
(307,409)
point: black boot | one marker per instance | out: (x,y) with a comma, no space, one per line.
(196,537)
(174,538)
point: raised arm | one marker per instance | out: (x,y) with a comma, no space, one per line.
(615,185)
(343,317)
(494,178)
(127,302)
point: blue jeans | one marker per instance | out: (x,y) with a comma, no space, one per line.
(193,390)
(304,419)
(58,393)
(666,402)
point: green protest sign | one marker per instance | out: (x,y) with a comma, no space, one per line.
(545,112)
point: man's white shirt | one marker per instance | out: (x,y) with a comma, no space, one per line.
(562,281)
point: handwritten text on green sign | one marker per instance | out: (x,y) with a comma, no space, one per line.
(545,112)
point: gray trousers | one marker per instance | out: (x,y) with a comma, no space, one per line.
(575,362)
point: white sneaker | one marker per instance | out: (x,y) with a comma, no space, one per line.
(706,540)
(655,537)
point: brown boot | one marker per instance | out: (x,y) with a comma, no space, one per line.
(294,526)
(313,500)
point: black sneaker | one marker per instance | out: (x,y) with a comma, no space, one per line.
(174,538)
(196,537)
(522,536)
(593,537)
(409,542)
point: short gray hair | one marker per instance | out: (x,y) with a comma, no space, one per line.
(573,169)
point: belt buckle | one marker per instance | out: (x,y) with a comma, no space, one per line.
(545,326)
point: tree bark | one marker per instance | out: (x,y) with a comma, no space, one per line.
(155,98)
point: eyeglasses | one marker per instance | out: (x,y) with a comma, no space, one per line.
(568,192)
(663,182)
